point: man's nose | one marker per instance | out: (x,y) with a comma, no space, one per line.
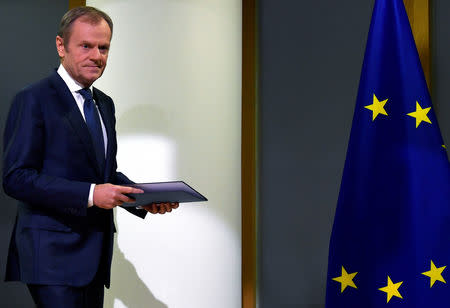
(95,54)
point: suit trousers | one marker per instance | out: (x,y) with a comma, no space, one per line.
(62,296)
(56,296)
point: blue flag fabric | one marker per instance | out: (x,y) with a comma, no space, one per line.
(390,241)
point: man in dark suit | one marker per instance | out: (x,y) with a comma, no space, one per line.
(60,164)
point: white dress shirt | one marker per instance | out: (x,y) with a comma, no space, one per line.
(74,87)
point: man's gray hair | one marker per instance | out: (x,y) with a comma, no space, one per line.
(88,13)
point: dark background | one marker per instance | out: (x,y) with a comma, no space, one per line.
(311,54)
(27,39)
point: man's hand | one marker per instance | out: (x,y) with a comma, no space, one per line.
(108,196)
(161,208)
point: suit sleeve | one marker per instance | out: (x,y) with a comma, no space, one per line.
(24,141)
(123,179)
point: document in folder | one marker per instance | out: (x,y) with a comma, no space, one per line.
(160,192)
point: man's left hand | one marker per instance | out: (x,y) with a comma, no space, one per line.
(161,208)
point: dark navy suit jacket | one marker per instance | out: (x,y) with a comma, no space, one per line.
(49,165)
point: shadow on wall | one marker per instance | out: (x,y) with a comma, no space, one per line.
(144,119)
(197,149)
(126,286)
(189,258)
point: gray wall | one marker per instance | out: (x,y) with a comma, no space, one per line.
(311,54)
(440,52)
(27,29)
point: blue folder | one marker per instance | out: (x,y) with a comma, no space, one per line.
(161,192)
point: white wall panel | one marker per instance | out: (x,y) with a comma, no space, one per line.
(174,73)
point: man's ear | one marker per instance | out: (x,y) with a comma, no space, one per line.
(60,46)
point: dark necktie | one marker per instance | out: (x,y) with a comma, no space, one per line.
(94,125)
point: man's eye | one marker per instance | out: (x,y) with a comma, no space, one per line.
(85,46)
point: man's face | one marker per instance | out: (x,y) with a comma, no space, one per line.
(85,54)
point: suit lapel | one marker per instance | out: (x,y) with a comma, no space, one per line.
(108,121)
(75,119)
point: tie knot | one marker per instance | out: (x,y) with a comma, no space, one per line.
(86,93)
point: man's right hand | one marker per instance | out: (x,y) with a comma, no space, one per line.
(108,196)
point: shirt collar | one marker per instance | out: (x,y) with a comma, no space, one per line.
(73,85)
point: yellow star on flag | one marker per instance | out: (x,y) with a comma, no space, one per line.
(377,107)
(435,274)
(391,289)
(420,114)
(346,279)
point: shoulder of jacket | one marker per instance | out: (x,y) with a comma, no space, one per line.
(101,95)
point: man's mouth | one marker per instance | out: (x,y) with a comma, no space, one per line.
(93,67)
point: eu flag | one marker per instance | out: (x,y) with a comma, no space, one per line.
(390,244)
